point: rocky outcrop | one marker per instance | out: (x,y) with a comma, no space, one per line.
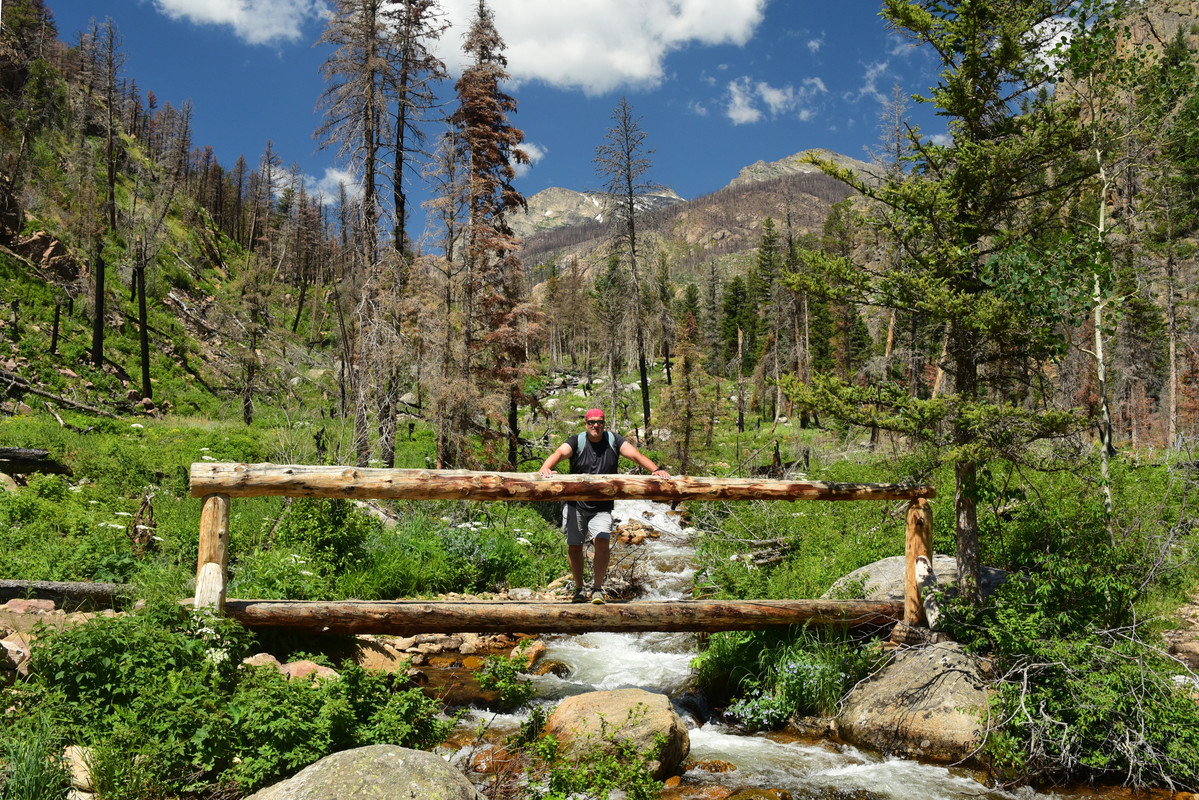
(556,207)
(593,720)
(1155,23)
(382,771)
(761,171)
(50,253)
(930,702)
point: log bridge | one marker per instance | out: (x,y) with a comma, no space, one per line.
(217,483)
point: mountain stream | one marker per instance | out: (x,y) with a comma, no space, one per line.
(661,662)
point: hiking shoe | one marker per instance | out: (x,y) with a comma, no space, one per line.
(597,597)
(580,596)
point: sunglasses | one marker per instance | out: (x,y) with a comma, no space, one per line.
(594,422)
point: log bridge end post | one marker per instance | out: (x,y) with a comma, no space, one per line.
(211,575)
(918,542)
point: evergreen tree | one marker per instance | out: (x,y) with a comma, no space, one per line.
(496,312)
(1002,180)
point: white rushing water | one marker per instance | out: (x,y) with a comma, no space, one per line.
(661,662)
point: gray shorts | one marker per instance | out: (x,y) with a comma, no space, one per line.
(582,527)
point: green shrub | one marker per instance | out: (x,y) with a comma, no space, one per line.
(772,676)
(597,769)
(1100,707)
(334,531)
(358,709)
(1086,693)
(502,674)
(160,698)
(282,573)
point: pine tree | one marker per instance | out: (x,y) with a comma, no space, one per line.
(954,216)
(494,281)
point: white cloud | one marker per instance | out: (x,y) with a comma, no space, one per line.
(327,186)
(744,97)
(941,139)
(740,108)
(779,100)
(595,47)
(253,21)
(535,154)
(697,108)
(599,47)
(814,45)
(1050,37)
(869,87)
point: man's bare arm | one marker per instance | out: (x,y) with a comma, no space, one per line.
(629,451)
(551,461)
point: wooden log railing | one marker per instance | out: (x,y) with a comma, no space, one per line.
(410,617)
(217,483)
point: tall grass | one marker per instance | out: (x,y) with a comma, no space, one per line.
(31,762)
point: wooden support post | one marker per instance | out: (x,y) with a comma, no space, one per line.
(214,553)
(919,542)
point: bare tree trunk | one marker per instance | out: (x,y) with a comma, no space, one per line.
(142,323)
(387,422)
(965,500)
(98,304)
(54,332)
(513,428)
(644,373)
(1105,413)
(740,383)
(1172,329)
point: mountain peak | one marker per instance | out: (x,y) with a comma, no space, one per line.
(556,207)
(793,165)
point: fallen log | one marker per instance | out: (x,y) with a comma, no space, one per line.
(23,385)
(24,460)
(256,480)
(71,595)
(408,618)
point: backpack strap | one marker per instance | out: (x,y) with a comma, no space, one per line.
(582,440)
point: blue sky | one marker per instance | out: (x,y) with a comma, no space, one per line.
(719,84)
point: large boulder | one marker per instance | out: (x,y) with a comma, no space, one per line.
(930,702)
(378,772)
(883,580)
(589,721)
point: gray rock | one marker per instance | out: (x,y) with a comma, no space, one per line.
(883,580)
(381,771)
(583,722)
(930,703)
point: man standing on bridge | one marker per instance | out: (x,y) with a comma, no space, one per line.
(594,452)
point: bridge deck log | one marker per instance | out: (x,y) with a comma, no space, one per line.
(409,617)
(295,480)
